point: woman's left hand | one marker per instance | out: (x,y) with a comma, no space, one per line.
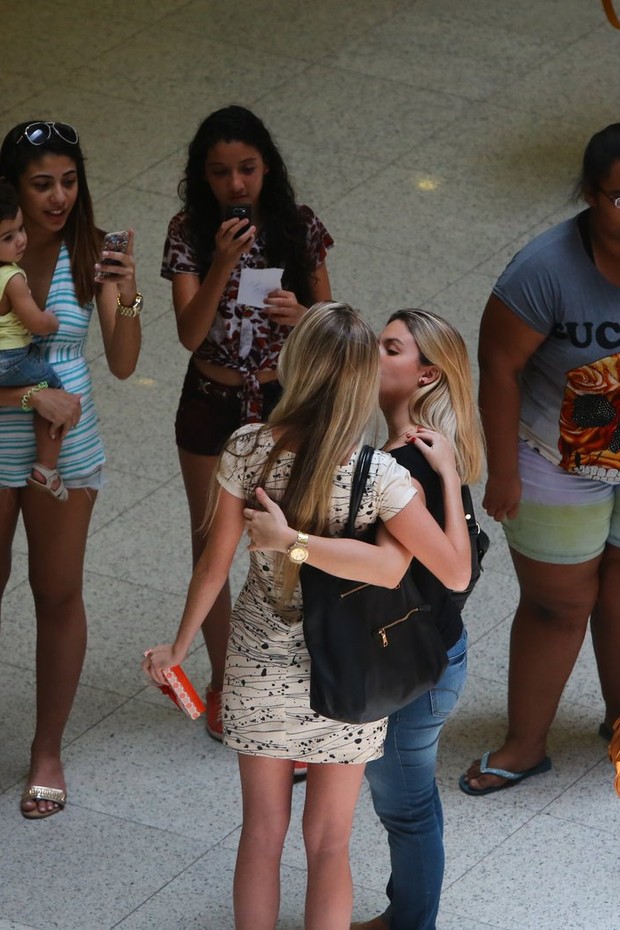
(159,658)
(435,448)
(124,272)
(62,410)
(267,529)
(282,308)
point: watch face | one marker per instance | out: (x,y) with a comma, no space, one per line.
(298,554)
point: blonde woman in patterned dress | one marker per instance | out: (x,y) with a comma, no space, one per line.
(44,162)
(305,458)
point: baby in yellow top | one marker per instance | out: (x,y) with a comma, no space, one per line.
(21,364)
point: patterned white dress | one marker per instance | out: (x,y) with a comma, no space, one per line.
(266,698)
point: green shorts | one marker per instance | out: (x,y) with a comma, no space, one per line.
(563,518)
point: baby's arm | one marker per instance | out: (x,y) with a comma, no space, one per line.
(38,321)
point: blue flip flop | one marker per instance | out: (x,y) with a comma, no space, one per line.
(512,778)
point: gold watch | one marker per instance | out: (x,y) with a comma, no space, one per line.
(298,551)
(135,309)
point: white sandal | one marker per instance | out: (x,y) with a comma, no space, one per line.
(50,476)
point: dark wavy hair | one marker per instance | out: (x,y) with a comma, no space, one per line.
(80,234)
(283,228)
(9,202)
(599,156)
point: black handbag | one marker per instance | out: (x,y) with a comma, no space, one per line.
(479,542)
(372,650)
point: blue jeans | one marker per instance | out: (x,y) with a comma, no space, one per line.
(19,367)
(406,798)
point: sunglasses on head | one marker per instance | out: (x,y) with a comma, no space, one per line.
(41,132)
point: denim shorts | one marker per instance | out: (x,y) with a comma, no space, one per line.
(95,481)
(19,367)
(563,519)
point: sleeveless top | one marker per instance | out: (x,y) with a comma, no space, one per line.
(13,333)
(81,451)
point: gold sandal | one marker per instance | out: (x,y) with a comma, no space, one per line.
(40,793)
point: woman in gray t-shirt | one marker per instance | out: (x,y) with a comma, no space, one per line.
(550,401)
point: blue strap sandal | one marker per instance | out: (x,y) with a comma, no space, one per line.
(512,778)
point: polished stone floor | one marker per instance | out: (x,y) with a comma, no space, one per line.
(434,137)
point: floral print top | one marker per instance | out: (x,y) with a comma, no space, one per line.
(241,337)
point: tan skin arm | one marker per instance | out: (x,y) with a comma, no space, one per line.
(195,304)
(207,581)
(382,564)
(446,553)
(121,335)
(413,533)
(506,343)
(62,410)
(23,305)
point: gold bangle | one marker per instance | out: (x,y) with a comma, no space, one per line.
(134,309)
(26,405)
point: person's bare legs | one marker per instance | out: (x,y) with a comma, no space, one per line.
(197,471)
(547,634)
(331,796)
(605,628)
(9,512)
(56,544)
(266,786)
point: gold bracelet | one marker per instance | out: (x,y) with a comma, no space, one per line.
(134,309)
(26,405)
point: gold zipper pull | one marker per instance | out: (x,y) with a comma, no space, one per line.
(383,635)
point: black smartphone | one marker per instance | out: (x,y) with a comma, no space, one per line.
(113,242)
(239,211)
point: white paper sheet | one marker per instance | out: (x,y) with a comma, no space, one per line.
(256,283)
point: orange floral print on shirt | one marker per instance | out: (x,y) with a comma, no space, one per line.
(590,420)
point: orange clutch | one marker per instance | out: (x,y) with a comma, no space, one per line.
(180,690)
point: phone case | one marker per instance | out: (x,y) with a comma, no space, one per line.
(113,242)
(239,211)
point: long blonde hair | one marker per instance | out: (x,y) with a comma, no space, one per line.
(329,369)
(447,404)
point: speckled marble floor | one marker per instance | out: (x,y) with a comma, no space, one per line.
(434,138)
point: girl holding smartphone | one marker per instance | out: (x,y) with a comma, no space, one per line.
(231,378)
